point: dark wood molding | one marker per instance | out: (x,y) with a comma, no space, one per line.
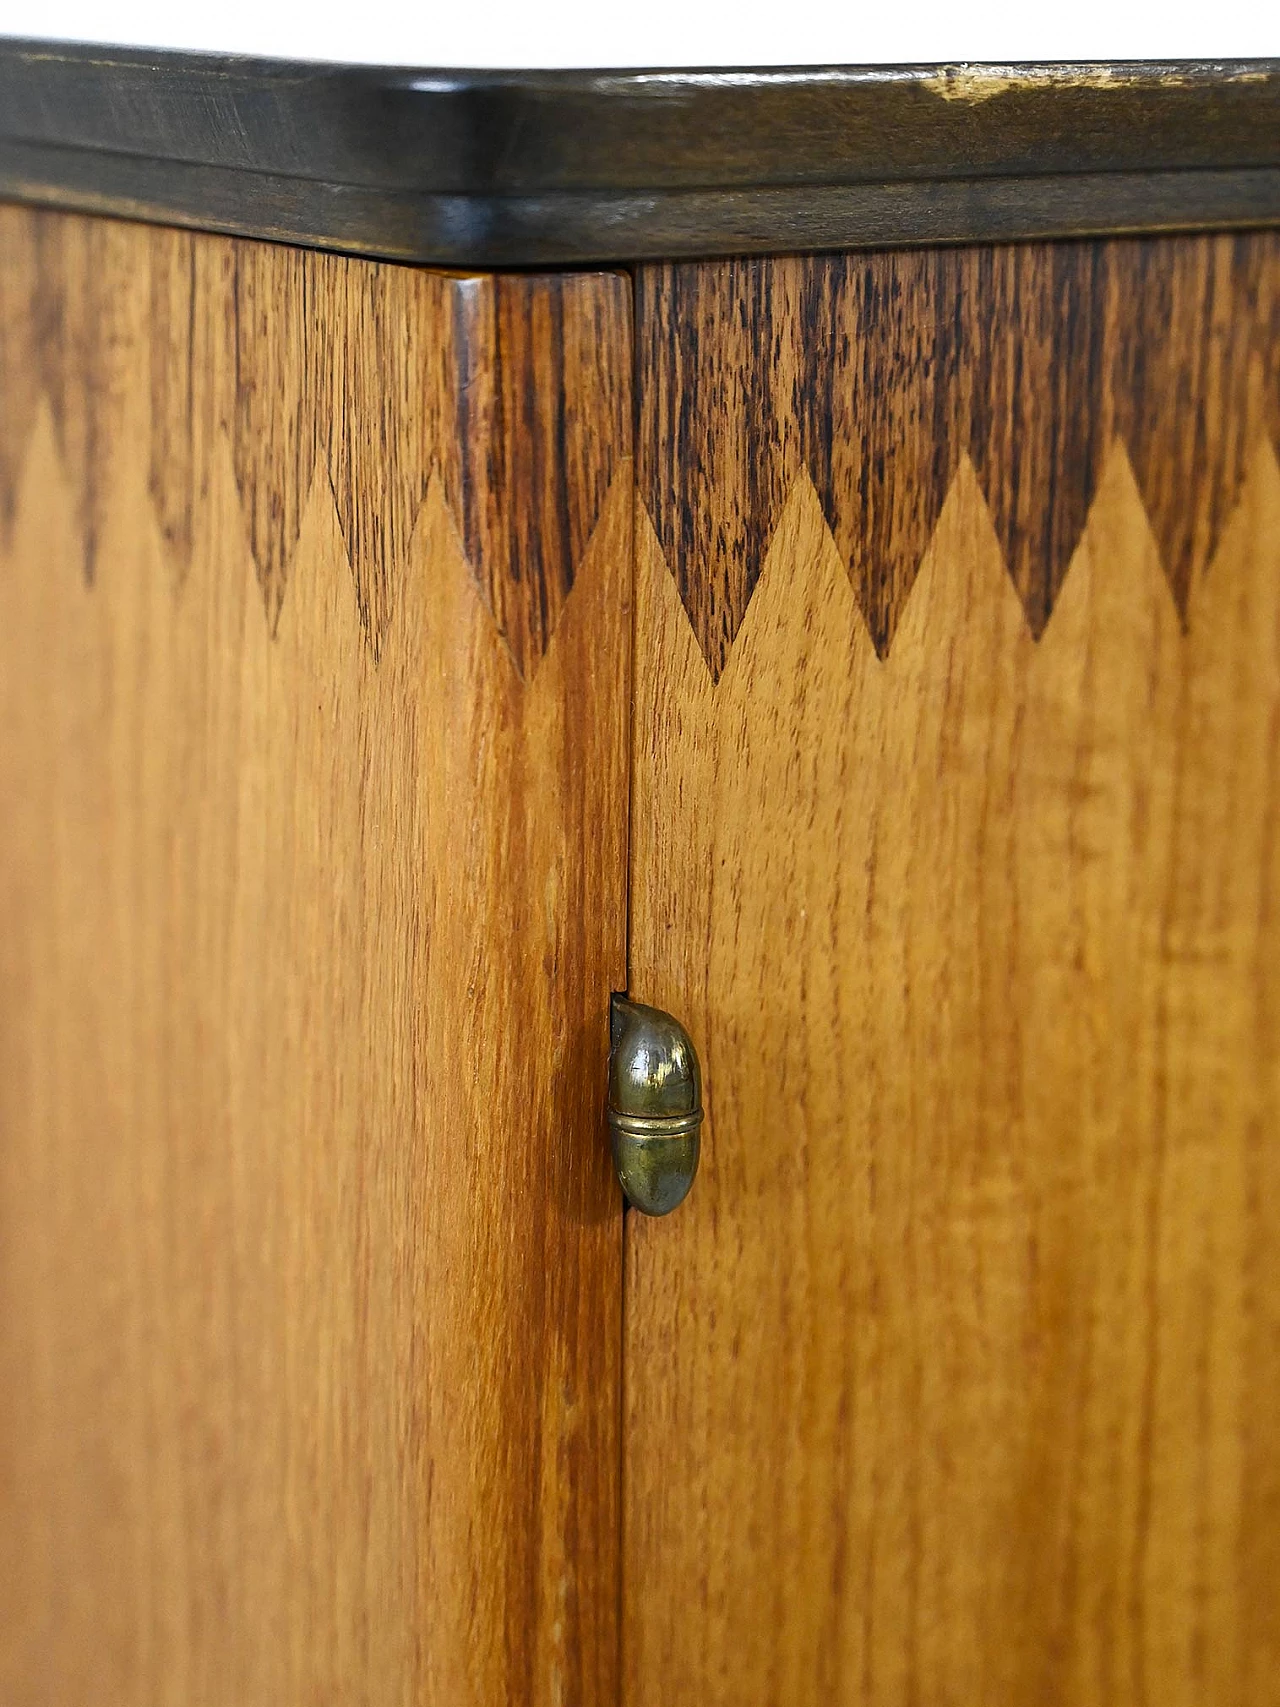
(545,168)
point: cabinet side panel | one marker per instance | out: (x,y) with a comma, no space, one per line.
(312,893)
(956,844)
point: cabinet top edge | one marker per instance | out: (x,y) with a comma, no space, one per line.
(535,168)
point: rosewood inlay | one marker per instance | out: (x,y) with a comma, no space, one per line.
(875,373)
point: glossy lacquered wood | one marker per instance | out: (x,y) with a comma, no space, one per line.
(955,837)
(311,901)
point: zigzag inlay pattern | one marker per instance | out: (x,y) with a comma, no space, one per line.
(513,391)
(876,373)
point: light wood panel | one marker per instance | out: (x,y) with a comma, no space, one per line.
(310,904)
(954,1379)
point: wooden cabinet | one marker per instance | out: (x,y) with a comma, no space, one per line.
(871,656)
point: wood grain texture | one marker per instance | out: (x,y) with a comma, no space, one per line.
(544,389)
(875,374)
(954,1379)
(513,391)
(309,1244)
(19,378)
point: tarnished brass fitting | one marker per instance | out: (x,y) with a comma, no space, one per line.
(655,1106)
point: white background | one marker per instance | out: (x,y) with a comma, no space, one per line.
(541,33)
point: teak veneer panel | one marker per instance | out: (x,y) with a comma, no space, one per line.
(955,1378)
(310,907)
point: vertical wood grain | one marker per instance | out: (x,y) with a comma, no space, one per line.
(1039,421)
(1198,379)
(310,907)
(73,344)
(719,378)
(543,387)
(279,340)
(875,374)
(953,1380)
(19,376)
(179,348)
(877,401)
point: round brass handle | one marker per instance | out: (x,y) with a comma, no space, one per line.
(655,1106)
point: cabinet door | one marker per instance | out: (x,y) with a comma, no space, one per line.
(314,680)
(956,843)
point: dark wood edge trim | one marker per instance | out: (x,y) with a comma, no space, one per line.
(530,168)
(571,230)
(528,133)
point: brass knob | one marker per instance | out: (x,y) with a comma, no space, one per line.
(655,1106)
